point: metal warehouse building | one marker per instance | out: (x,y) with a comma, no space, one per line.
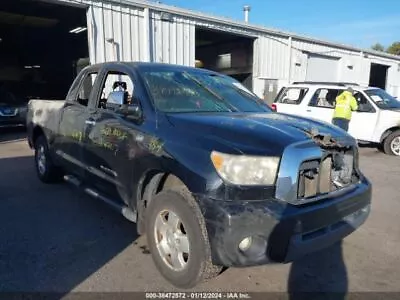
(44,43)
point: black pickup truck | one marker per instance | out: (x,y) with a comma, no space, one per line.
(205,169)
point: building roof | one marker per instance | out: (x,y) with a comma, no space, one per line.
(222,20)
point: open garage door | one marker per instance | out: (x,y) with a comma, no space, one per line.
(225,53)
(378,75)
(40,46)
(322,68)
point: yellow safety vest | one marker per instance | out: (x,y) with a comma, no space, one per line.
(345,104)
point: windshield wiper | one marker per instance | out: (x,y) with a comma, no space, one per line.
(221,99)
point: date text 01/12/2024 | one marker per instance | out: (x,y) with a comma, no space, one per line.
(197,295)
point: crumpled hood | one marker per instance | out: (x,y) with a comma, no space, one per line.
(268,133)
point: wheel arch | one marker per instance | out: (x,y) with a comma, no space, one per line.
(36,132)
(152,183)
(388,132)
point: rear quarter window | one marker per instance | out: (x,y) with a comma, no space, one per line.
(291,95)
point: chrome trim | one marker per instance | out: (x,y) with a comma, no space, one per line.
(109,171)
(288,175)
(292,158)
(89,122)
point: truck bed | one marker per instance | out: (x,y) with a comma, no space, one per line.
(45,113)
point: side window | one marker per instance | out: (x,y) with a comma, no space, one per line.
(324,98)
(86,88)
(291,95)
(363,104)
(116,81)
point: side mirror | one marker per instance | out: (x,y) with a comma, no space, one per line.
(118,102)
(133,111)
(115,100)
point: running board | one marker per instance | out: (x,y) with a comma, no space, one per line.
(122,209)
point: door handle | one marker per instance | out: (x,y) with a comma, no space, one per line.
(90,122)
(308,110)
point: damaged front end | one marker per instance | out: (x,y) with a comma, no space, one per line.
(281,228)
(335,170)
(315,169)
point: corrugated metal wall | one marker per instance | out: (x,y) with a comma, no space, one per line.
(140,34)
(172,42)
(137,38)
(128,33)
(271,57)
(123,27)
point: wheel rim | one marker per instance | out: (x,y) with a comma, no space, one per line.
(172,241)
(41,159)
(395,146)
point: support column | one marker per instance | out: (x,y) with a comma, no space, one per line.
(147,35)
(289,70)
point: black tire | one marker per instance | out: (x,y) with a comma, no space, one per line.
(380,147)
(388,141)
(50,173)
(199,267)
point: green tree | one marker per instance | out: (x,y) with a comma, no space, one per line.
(394,48)
(378,47)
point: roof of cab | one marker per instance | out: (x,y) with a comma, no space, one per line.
(148,65)
(338,85)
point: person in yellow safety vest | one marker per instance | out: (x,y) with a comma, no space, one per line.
(345,104)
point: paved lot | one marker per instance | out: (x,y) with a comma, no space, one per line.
(52,238)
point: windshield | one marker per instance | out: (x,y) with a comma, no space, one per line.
(382,99)
(186,91)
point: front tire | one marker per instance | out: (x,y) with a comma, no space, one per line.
(45,168)
(391,144)
(178,239)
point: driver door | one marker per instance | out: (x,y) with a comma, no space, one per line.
(364,120)
(109,140)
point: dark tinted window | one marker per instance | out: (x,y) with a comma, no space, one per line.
(363,103)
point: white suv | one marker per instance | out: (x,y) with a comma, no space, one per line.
(377,119)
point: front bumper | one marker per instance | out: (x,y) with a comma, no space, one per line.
(282,232)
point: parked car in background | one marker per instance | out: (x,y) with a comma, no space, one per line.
(208,172)
(377,119)
(13,108)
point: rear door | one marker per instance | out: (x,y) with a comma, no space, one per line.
(322,104)
(69,141)
(290,101)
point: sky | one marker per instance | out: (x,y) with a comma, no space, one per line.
(359,23)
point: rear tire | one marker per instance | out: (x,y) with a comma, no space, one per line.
(391,144)
(45,168)
(179,246)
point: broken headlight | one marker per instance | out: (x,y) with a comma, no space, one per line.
(246,170)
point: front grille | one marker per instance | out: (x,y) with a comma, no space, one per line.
(333,172)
